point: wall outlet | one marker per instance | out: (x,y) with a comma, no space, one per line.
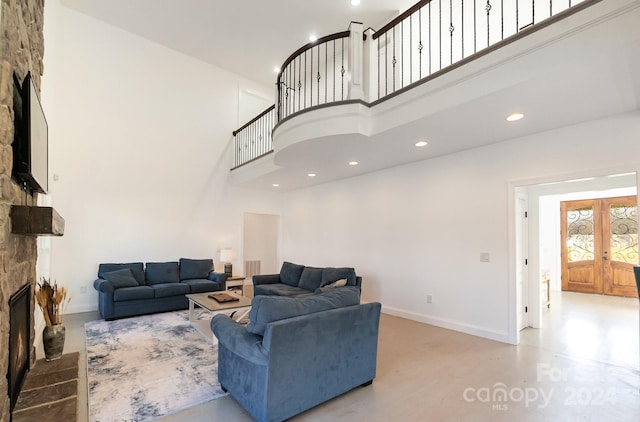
(83,290)
(429,299)
(485,257)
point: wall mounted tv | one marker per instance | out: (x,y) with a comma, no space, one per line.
(31,143)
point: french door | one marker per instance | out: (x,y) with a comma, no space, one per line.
(600,245)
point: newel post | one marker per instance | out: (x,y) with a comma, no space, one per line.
(356,61)
(370,61)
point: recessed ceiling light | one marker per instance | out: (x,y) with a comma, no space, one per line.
(276,69)
(421,144)
(355,2)
(313,38)
(311,175)
(514,117)
(353,163)
(275,185)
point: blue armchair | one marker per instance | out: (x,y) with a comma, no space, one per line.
(297,352)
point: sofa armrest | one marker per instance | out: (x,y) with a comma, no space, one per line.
(359,282)
(266,279)
(238,340)
(103,286)
(218,277)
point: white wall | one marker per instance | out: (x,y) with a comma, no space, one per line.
(419,229)
(138,138)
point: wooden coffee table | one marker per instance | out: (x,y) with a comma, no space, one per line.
(242,306)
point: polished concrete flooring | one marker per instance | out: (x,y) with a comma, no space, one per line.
(581,366)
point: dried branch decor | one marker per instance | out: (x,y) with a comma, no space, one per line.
(52,299)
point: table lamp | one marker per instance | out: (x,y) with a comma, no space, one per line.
(226,256)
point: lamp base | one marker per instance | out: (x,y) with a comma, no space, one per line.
(228,269)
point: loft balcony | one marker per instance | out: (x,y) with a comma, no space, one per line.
(448,72)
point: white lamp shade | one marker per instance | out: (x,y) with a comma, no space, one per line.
(227,255)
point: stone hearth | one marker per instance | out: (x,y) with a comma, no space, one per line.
(50,392)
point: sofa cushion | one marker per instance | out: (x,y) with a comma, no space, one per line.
(121,278)
(329,275)
(162,272)
(137,268)
(169,289)
(290,273)
(195,268)
(132,293)
(278,289)
(199,285)
(311,278)
(267,309)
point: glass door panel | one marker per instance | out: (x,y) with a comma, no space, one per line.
(580,235)
(624,233)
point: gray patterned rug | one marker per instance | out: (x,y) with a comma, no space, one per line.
(142,368)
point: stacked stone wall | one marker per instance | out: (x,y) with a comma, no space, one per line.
(21,51)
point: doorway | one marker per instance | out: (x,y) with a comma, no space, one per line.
(599,245)
(260,240)
(540,243)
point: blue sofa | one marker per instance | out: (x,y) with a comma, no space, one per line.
(130,289)
(296,353)
(296,280)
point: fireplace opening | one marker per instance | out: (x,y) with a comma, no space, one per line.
(19,341)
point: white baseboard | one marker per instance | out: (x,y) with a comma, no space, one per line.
(80,308)
(501,336)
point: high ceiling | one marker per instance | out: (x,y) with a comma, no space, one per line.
(580,69)
(247,37)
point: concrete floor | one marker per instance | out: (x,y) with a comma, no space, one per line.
(582,365)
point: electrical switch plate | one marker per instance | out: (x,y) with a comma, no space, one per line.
(485,257)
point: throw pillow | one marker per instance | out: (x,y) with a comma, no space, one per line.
(162,272)
(195,268)
(137,268)
(121,278)
(338,283)
(290,273)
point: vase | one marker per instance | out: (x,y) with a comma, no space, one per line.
(53,341)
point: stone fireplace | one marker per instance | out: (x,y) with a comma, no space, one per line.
(21,50)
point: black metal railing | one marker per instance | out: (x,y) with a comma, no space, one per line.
(435,34)
(253,140)
(315,74)
(431,37)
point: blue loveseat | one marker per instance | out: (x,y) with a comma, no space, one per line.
(296,353)
(296,280)
(130,289)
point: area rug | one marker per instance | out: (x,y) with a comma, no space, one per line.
(142,368)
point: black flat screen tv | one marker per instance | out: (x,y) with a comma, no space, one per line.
(31,140)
